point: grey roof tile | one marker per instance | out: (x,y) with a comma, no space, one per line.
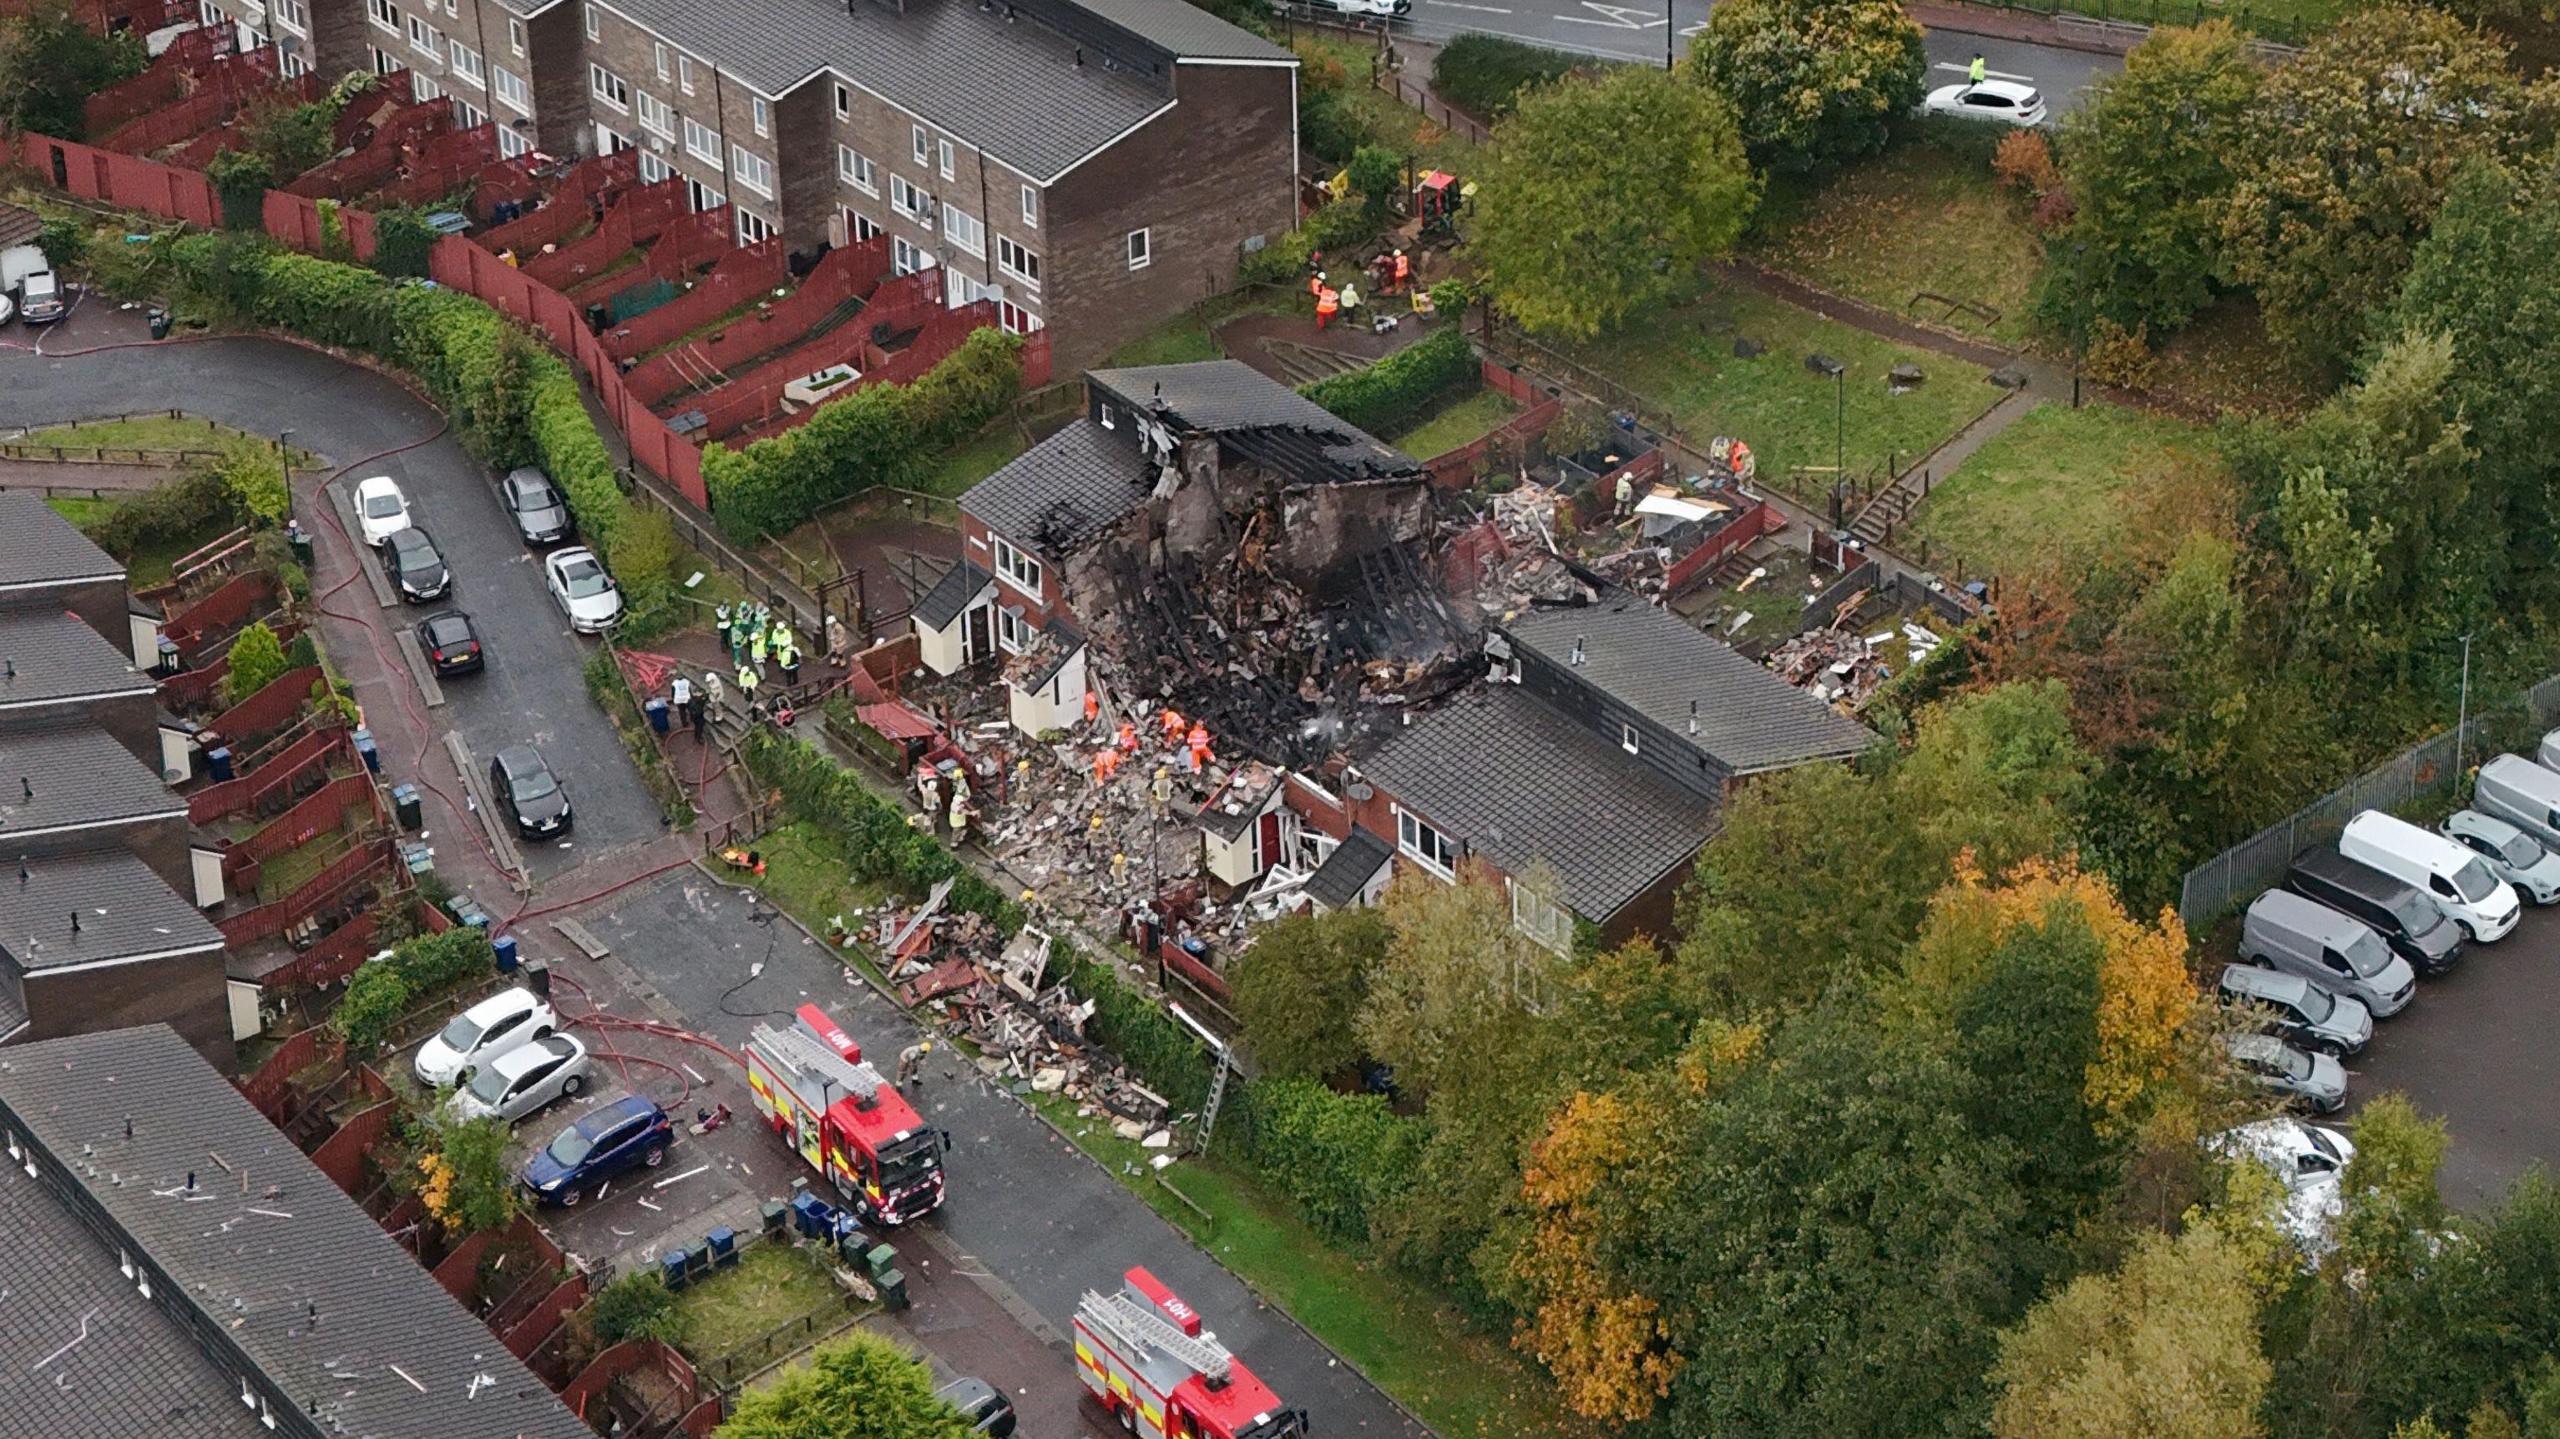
(1508,778)
(1337,882)
(38,546)
(1232,399)
(76,775)
(1184,29)
(257,1266)
(54,657)
(1656,664)
(1062,491)
(951,594)
(13,1003)
(126,912)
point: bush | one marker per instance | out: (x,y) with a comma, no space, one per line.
(635,1306)
(1486,73)
(883,435)
(433,962)
(2117,356)
(2024,162)
(377,995)
(257,658)
(195,501)
(1403,389)
(863,1386)
(1342,1157)
(253,473)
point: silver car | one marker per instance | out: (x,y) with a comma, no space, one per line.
(2511,854)
(524,1079)
(2313,1080)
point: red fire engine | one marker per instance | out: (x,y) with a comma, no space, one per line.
(1143,1354)
(848,1121)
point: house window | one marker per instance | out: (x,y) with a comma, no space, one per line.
(1015,319)
(515,35)
(384,62)
(609,87)
(701,141)
(763,115)
(508,86)
(960,289)
(945,148)
(905,258)
(1031,206)
(610,141)
(844,102)
(1424,845)
(1627,739)
(684,73)
(471,116)
(595,24)
(467,63)
(658,57)
(753,229)
(1141,249)
(292,67)
(1012,630)
(858,226)
(423,88)
(1016,568)
(293,16)
(452,7)
(964,229)
(703,197)
(653,169)
(657,114)
(1017,261)
(909,201)
(511,144)
(924,146)
(383,14)
(855,169)
(751,170)
(1541,918)
(420,37)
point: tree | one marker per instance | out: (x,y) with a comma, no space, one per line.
(51,62)
(1605,1344)
(1377,175)
(862,1386)
(635,1306)
(2344,157)
(1603,193)
(2148,175)
(253,472)
(257,659)
(467,1183)
(2165,1347)
(1300,988)
(1455,963)
(1817,83)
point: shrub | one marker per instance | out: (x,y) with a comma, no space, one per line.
(2117,356)
(401,240)
(636,1306)
(2024,162)
(257,658)
(253,474)
(1340,1156)
(1403,389)
(1376,174)
(468,1184)
(174,509)
(1486,73)
(377,995)
(433,962)
(863,1386)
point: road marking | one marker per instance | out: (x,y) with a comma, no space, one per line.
(1616,17)
(1462,5)
(1987,74)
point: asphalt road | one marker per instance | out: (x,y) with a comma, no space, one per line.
(533,689)
(1636,32)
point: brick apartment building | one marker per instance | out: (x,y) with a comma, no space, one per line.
(1093,166)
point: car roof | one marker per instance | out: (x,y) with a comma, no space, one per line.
(505,1001)
(2353,875)
(966,1390)
(2519,773)
(376,484)
(443,618)
(2266,982)
(2487,826)
(2243,1046)
(629,1106)
(525,1056)
(2010,88)
(521,757)
(2306,916)
(412,538)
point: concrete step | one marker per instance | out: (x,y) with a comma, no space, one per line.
(1305,364)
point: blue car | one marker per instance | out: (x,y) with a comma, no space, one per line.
(597,1147)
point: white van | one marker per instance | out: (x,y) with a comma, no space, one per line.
(18,262)
(2547,754)
(2484,905)
(2524,794)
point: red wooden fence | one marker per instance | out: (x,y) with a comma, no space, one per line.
(736,278)
(1692,567)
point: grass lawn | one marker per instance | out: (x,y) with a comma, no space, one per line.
(1382,118)
(1681,359)
(2055,482)
(718,587)
(771,1285)
(1179,341)
(1459,422)
(151,432)
(809,873)
(149,564)
(955,472)
(1920,218)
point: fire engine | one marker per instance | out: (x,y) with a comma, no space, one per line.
(845,1118)
(1143,1355)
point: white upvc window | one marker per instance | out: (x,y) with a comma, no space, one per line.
(855,169)
(1013,631)
(964,229)
(1629,740)
(384,62)
(943,147)
(422,87)
(468,64)
(595,23)
(422,37)
(702,196)
(844,102)
(510,89)
(684,73)
(653,169)
(658,57)
(610,141)
(753,229)
(905,258)
(511,144)
(701,141)
(1142,249)
(1424,845)
(1014,260)
(1031,206)
(1015,319)
(1542,919)
(293,15)
(752,170)
(609,87)
(471,116)
(909,201)
(292,67)
(657,114)
(761,113)
(383,14)
(1016,568)
(515,36)
(924,145)
(858,226)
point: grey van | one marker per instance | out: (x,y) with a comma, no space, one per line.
(2307,1014)
(2416,927)
(2283,931)
(2522,793)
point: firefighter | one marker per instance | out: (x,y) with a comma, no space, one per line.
(911,1063)
(1093,834)
(839,642)
(788,656)
(1626,495)
(747,682)
(1350,299)
(960,813)
(1163,790)
(929,784)
(698,715)
(720,625)
(680,693)
(758,647)
(738,640)
(1119,868)
(1404,272)
(711,686)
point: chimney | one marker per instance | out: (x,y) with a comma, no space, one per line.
(1577,649)
(26,787)
(75,921)
(1693,717)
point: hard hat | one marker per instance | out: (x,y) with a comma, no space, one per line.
(927,1046)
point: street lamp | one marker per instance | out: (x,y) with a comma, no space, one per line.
(1822,364)
(2462,715)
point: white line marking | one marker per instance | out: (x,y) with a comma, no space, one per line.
(1616,17)
(1462,5)
(1987,74)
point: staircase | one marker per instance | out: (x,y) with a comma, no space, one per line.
(1304,364)
(1882,515)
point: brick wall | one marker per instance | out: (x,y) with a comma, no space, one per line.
(188,993)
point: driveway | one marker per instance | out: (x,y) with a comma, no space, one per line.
(532,690)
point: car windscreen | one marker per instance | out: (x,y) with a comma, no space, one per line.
(2292,1063)
(2521,852)
(448,632)
(460,1035)
(571,1148)
(381,507)
(2317,1004)
(2474,882)
(2325,1147)
(531,782)
(488,1084)
(529,494)
(584,580)
(2368,955)
(2417,914)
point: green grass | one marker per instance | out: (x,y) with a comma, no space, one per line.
(151,563)
(954,473)
(1459,422)
(771,1285)
(1919,219)
(1681,359)
(151,432)
(809,873)
(1381,118)
(1179,341)
(2056,482)
(718,586)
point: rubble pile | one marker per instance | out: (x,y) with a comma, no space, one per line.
(1841,666)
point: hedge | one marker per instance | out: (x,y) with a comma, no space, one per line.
(1341,1157)
(1486,73)
(883,435)
(1401,391)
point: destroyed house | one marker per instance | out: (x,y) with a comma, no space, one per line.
(175,1267)
(1601,747)
(1224,543)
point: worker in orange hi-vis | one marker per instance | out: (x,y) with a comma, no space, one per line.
(1106,763)
(1126,737)
(1316,283)
(1173,725)
(1199,742)
(1092,706)
(1327,302)
(1404,271)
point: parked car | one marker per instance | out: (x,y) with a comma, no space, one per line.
(381,510)
(41,300)
(416,566)
(526,789)
(2005,102)
(524,1079)
(2413,925)
(451,645)
(627,1133)
(986,1407)
(2524,794)
(2547,753)
(483,1032)
(2511,854)
(2313,1080)
(2456,879)
(1375,8)
(2284,931)
(585,593)
(2309,1160)
(541,516)
(2307,1013)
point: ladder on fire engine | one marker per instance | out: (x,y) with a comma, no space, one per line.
(805,1054)
(1138,1326)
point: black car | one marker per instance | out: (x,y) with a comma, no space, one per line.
(416,566)
(450,643)
(541,516)
(981,1403)
(524,786)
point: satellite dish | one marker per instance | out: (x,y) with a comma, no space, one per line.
(1359,790)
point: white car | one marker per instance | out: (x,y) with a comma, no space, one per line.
(2004,101)
(2310,1160)
(2511,854)
(483,1032)
(524,1079)
(381,510)
(584,592)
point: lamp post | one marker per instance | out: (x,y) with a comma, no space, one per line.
(1670,31)
(2462,714)
(1822,364)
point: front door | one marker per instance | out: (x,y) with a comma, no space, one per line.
(979,640)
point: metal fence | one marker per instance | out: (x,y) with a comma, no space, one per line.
(2137,16)
(2424,776)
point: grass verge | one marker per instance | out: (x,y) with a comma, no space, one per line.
(1459,422)
(2055,482)
(151,432)
(771,1285)
(150,564)
(1919,219)
(809,873)
(973,461)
